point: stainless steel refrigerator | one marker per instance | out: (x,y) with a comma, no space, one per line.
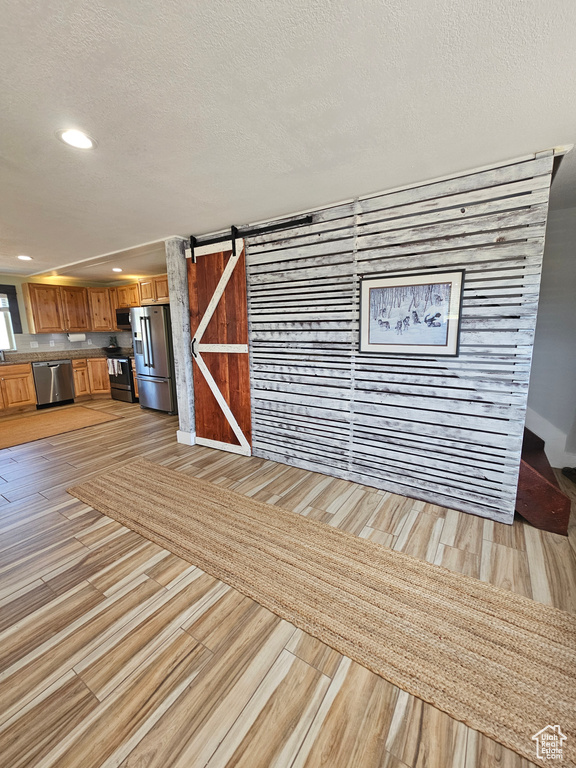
(152,337)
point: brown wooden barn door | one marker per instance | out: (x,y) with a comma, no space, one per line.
(219,328)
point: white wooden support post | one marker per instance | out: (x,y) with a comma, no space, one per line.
(177,270)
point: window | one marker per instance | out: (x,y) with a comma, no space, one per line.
(6,330)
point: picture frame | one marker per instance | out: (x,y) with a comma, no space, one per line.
(415,314)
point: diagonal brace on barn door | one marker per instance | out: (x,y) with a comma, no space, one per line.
(240,436)
(218,293)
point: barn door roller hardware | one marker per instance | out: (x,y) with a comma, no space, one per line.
(247,232)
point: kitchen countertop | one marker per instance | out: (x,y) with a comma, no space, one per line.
(59,354)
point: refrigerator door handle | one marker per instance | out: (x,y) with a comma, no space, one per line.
(154,379)
(149,343)
(144,342)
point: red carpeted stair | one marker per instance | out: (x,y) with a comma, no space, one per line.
(539,499)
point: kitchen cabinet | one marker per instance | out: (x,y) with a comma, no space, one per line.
(56,308)
(81,379)
(98,375)
(101,317)
(161,286)
(43,308)
(128,295)
(147,294)
(154,290)
(16,386)
(90,376)
(74,305)
(71,308)
(113,296)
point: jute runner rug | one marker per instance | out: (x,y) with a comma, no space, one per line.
(501,663)
(16,430)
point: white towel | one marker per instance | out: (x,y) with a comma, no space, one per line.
(114,367)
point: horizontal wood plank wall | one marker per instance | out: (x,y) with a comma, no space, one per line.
(445,430)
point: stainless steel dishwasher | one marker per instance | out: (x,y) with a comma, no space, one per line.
(54,382)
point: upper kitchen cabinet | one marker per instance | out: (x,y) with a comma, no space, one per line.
(113,296)
(56,308)
(161,286)
(154,290)
(43,307)
(147,295)
(75,308)
(101,315)
(72,308)
(128,295)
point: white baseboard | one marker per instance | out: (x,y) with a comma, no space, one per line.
(186,438)
(554,439)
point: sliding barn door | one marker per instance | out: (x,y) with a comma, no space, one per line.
(219,328)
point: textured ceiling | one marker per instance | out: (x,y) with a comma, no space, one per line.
(213,113)
(142,261)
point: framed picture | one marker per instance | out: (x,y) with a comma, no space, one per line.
(411,314)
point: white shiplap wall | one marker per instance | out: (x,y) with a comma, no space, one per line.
(446,430)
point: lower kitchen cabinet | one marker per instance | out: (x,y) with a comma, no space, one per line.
(81,380)
(16,386)
(98,375)
(90,376)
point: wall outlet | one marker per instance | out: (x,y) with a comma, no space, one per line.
(34,344)
(89,341)
(52,342)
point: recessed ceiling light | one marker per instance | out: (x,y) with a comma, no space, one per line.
(116,269)
(76,138)
(25,258)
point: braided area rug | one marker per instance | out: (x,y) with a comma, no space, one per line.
(501,663)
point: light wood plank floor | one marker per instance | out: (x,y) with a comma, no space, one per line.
(114,652)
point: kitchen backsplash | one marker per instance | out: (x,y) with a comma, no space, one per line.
(40,342)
